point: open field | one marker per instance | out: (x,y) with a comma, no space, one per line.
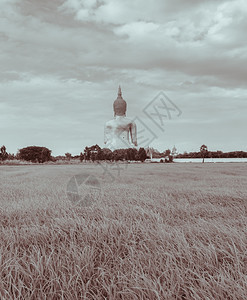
(157,231)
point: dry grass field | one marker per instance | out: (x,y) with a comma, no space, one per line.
(157,231)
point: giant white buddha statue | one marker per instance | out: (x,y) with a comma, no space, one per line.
(120,133)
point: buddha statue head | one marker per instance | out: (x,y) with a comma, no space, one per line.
(119,105)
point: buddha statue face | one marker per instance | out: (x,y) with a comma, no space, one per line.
(119,105)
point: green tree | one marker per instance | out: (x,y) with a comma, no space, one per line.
(119,154)
(204,151)
(132,154)
(95,152)
(167,152)
(93,157)
(35,154)
(81,157)
(3,153)
(99,154)
(142,154)
(87,153)
(68,156)
(106,154)
(170,158)
(11,156)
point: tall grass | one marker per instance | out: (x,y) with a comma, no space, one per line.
(159,231)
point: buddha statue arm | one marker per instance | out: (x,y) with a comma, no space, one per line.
(133,134)
(105,136)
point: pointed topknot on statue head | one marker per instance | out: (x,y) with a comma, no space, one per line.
(119,104)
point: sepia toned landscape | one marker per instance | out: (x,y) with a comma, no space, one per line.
(123,155)
(157,231)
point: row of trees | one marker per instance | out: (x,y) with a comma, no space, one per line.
(37,154)
(214,154)
(32,153)
(95,153)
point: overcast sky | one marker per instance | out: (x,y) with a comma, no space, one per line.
(61,62)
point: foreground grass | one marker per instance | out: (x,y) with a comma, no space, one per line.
(159,231)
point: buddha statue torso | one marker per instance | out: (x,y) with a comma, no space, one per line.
(120,133)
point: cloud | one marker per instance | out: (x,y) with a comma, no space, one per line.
(62,61)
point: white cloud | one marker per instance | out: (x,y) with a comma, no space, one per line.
(136,30)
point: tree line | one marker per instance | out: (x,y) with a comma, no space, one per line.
(33,154)
(37,154)
(214,154)
(94,153)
